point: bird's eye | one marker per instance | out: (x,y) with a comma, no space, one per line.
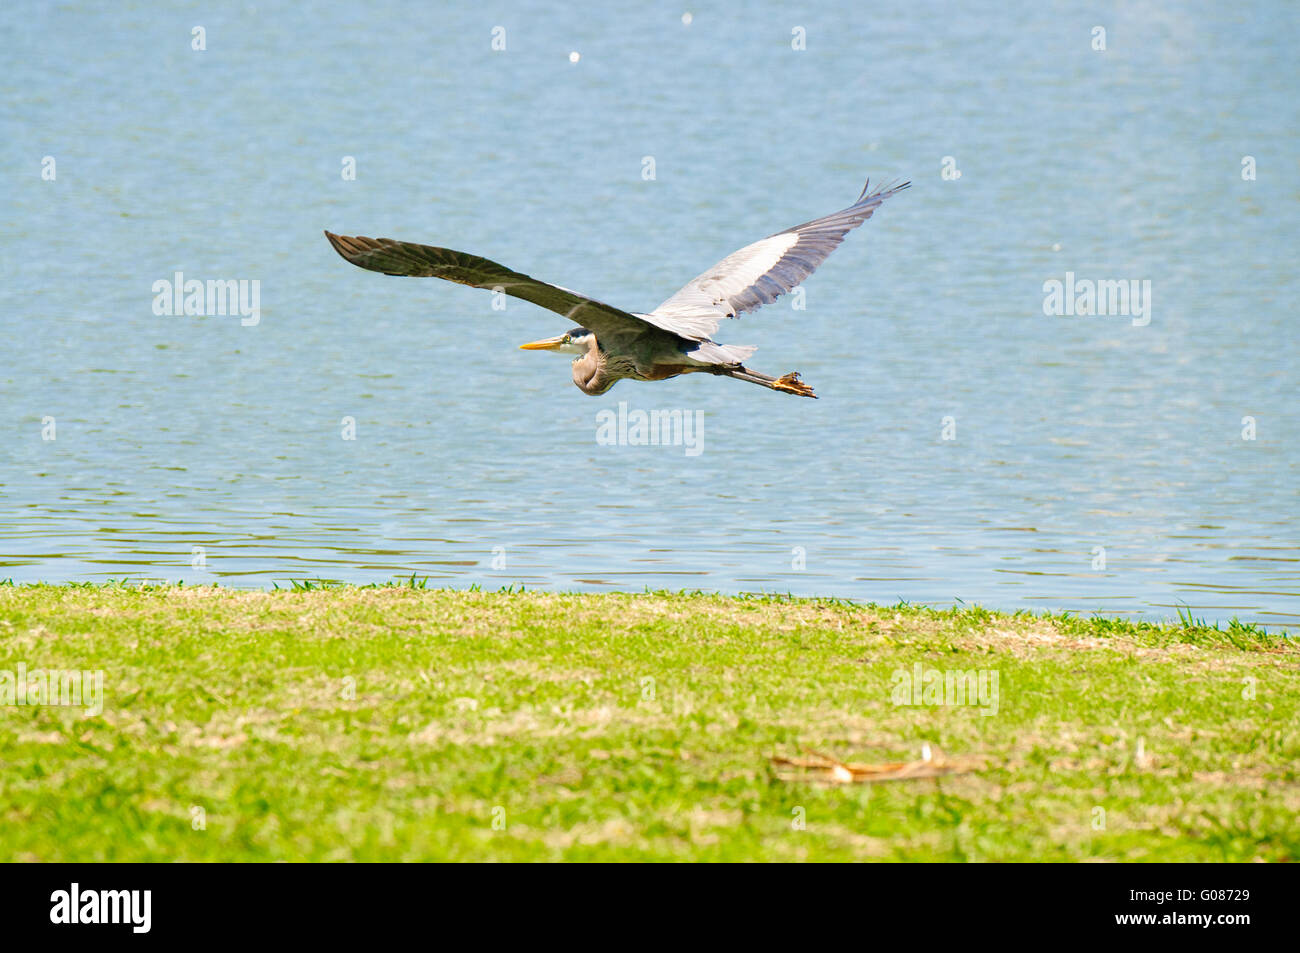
(567,340)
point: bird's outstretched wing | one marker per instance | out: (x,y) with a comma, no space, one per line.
(424,261)
(759,273)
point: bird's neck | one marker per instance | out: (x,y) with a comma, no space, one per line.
(589,371)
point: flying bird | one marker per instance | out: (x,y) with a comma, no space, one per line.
(676,337)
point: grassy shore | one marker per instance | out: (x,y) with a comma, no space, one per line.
(400,723)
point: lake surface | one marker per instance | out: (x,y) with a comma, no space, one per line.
(1093,463)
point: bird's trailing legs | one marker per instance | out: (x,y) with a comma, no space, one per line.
(788,383)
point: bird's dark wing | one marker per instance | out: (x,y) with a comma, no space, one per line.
(424,261)
(759,273)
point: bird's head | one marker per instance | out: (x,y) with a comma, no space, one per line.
(578,341)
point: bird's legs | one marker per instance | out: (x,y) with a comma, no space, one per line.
(790,384)
(787,384)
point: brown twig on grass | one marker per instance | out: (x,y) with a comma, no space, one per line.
(824,768)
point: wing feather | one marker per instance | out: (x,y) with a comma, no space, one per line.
(759,273)
(392,257)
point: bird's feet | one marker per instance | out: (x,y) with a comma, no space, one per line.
(791,384)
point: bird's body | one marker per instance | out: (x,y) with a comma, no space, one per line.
(650,355)
(675,338)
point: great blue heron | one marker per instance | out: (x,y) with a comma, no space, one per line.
(676,337)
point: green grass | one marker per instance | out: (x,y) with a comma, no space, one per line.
(598,727)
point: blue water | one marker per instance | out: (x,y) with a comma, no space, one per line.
(476,462)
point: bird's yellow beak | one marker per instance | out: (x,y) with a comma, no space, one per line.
(549,344)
